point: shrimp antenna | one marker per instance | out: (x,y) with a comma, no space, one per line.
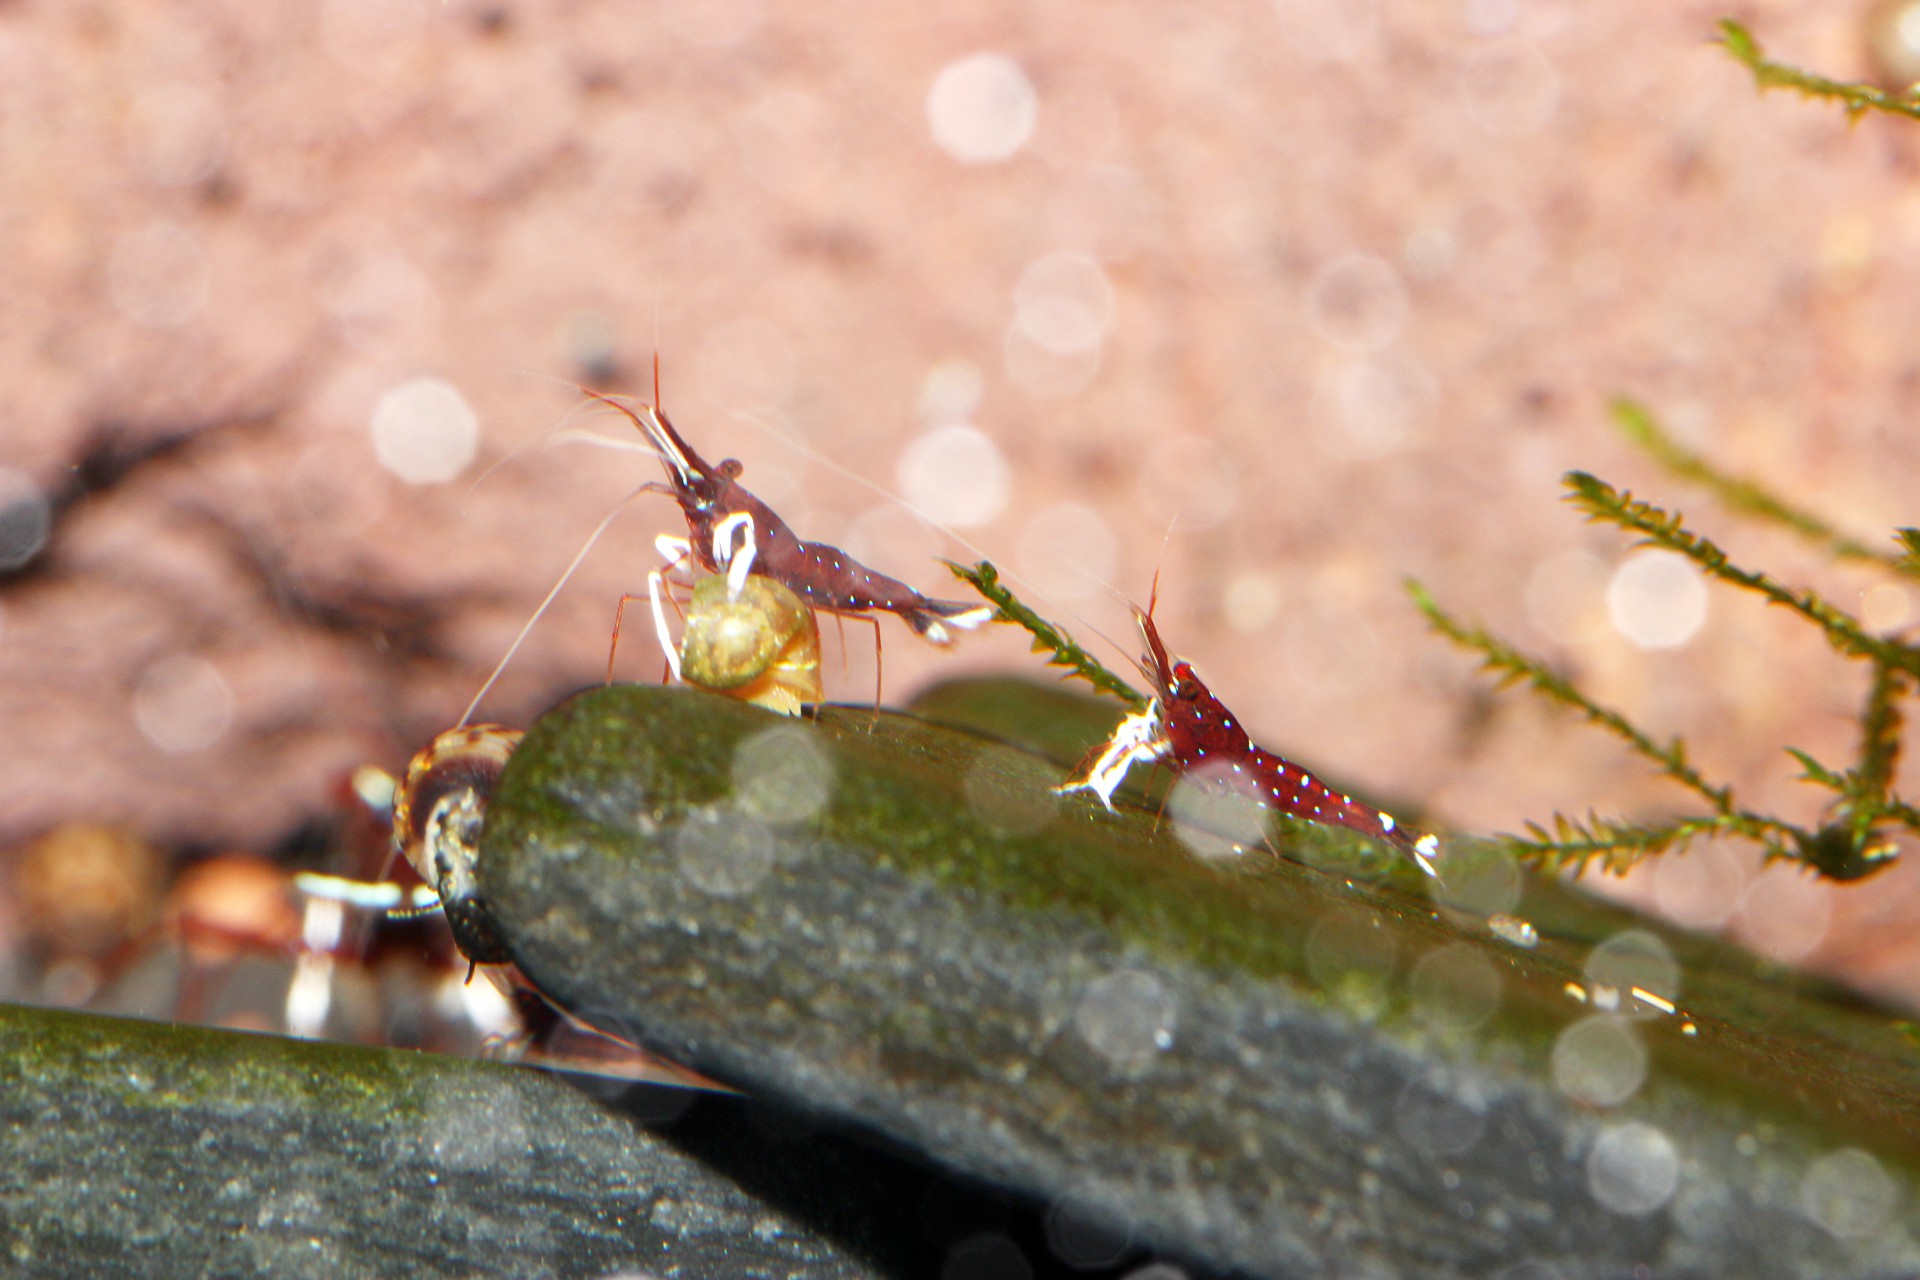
(577,435)
(1047,635)
(658,294)
(538,613)
(1116,594)
(550,435)
(555,434)
(1153,599)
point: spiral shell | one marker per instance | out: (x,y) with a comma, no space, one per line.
(763,646)
(437,819)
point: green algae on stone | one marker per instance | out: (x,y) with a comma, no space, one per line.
(1275,1064)
(1725,984)
(132,1148)
(1047,718)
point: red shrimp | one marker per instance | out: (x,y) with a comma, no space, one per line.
(735,534)
(1187,728)
(827,578)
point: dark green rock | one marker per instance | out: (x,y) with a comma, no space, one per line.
(139,1149)
(1052,718)
(1294,1068)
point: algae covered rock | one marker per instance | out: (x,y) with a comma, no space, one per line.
(140,1149)
(1287,1067)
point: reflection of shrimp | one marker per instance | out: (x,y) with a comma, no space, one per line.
(1186,727)
(825,577)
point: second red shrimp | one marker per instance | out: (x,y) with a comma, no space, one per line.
(1188,729)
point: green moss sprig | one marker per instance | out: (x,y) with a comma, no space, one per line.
(1602,502)
(1748,497)
(1061,648)
(1852,842)
(1767,74)
(1574,842)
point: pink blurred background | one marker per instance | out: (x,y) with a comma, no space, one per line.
(1283,300)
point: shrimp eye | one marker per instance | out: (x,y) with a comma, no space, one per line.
(1186,690)
(730,468)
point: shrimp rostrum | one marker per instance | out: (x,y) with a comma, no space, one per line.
(720,510)
(1187,728)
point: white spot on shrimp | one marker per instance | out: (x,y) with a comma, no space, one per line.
(1425,850)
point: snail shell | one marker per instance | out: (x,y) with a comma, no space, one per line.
(437,819)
